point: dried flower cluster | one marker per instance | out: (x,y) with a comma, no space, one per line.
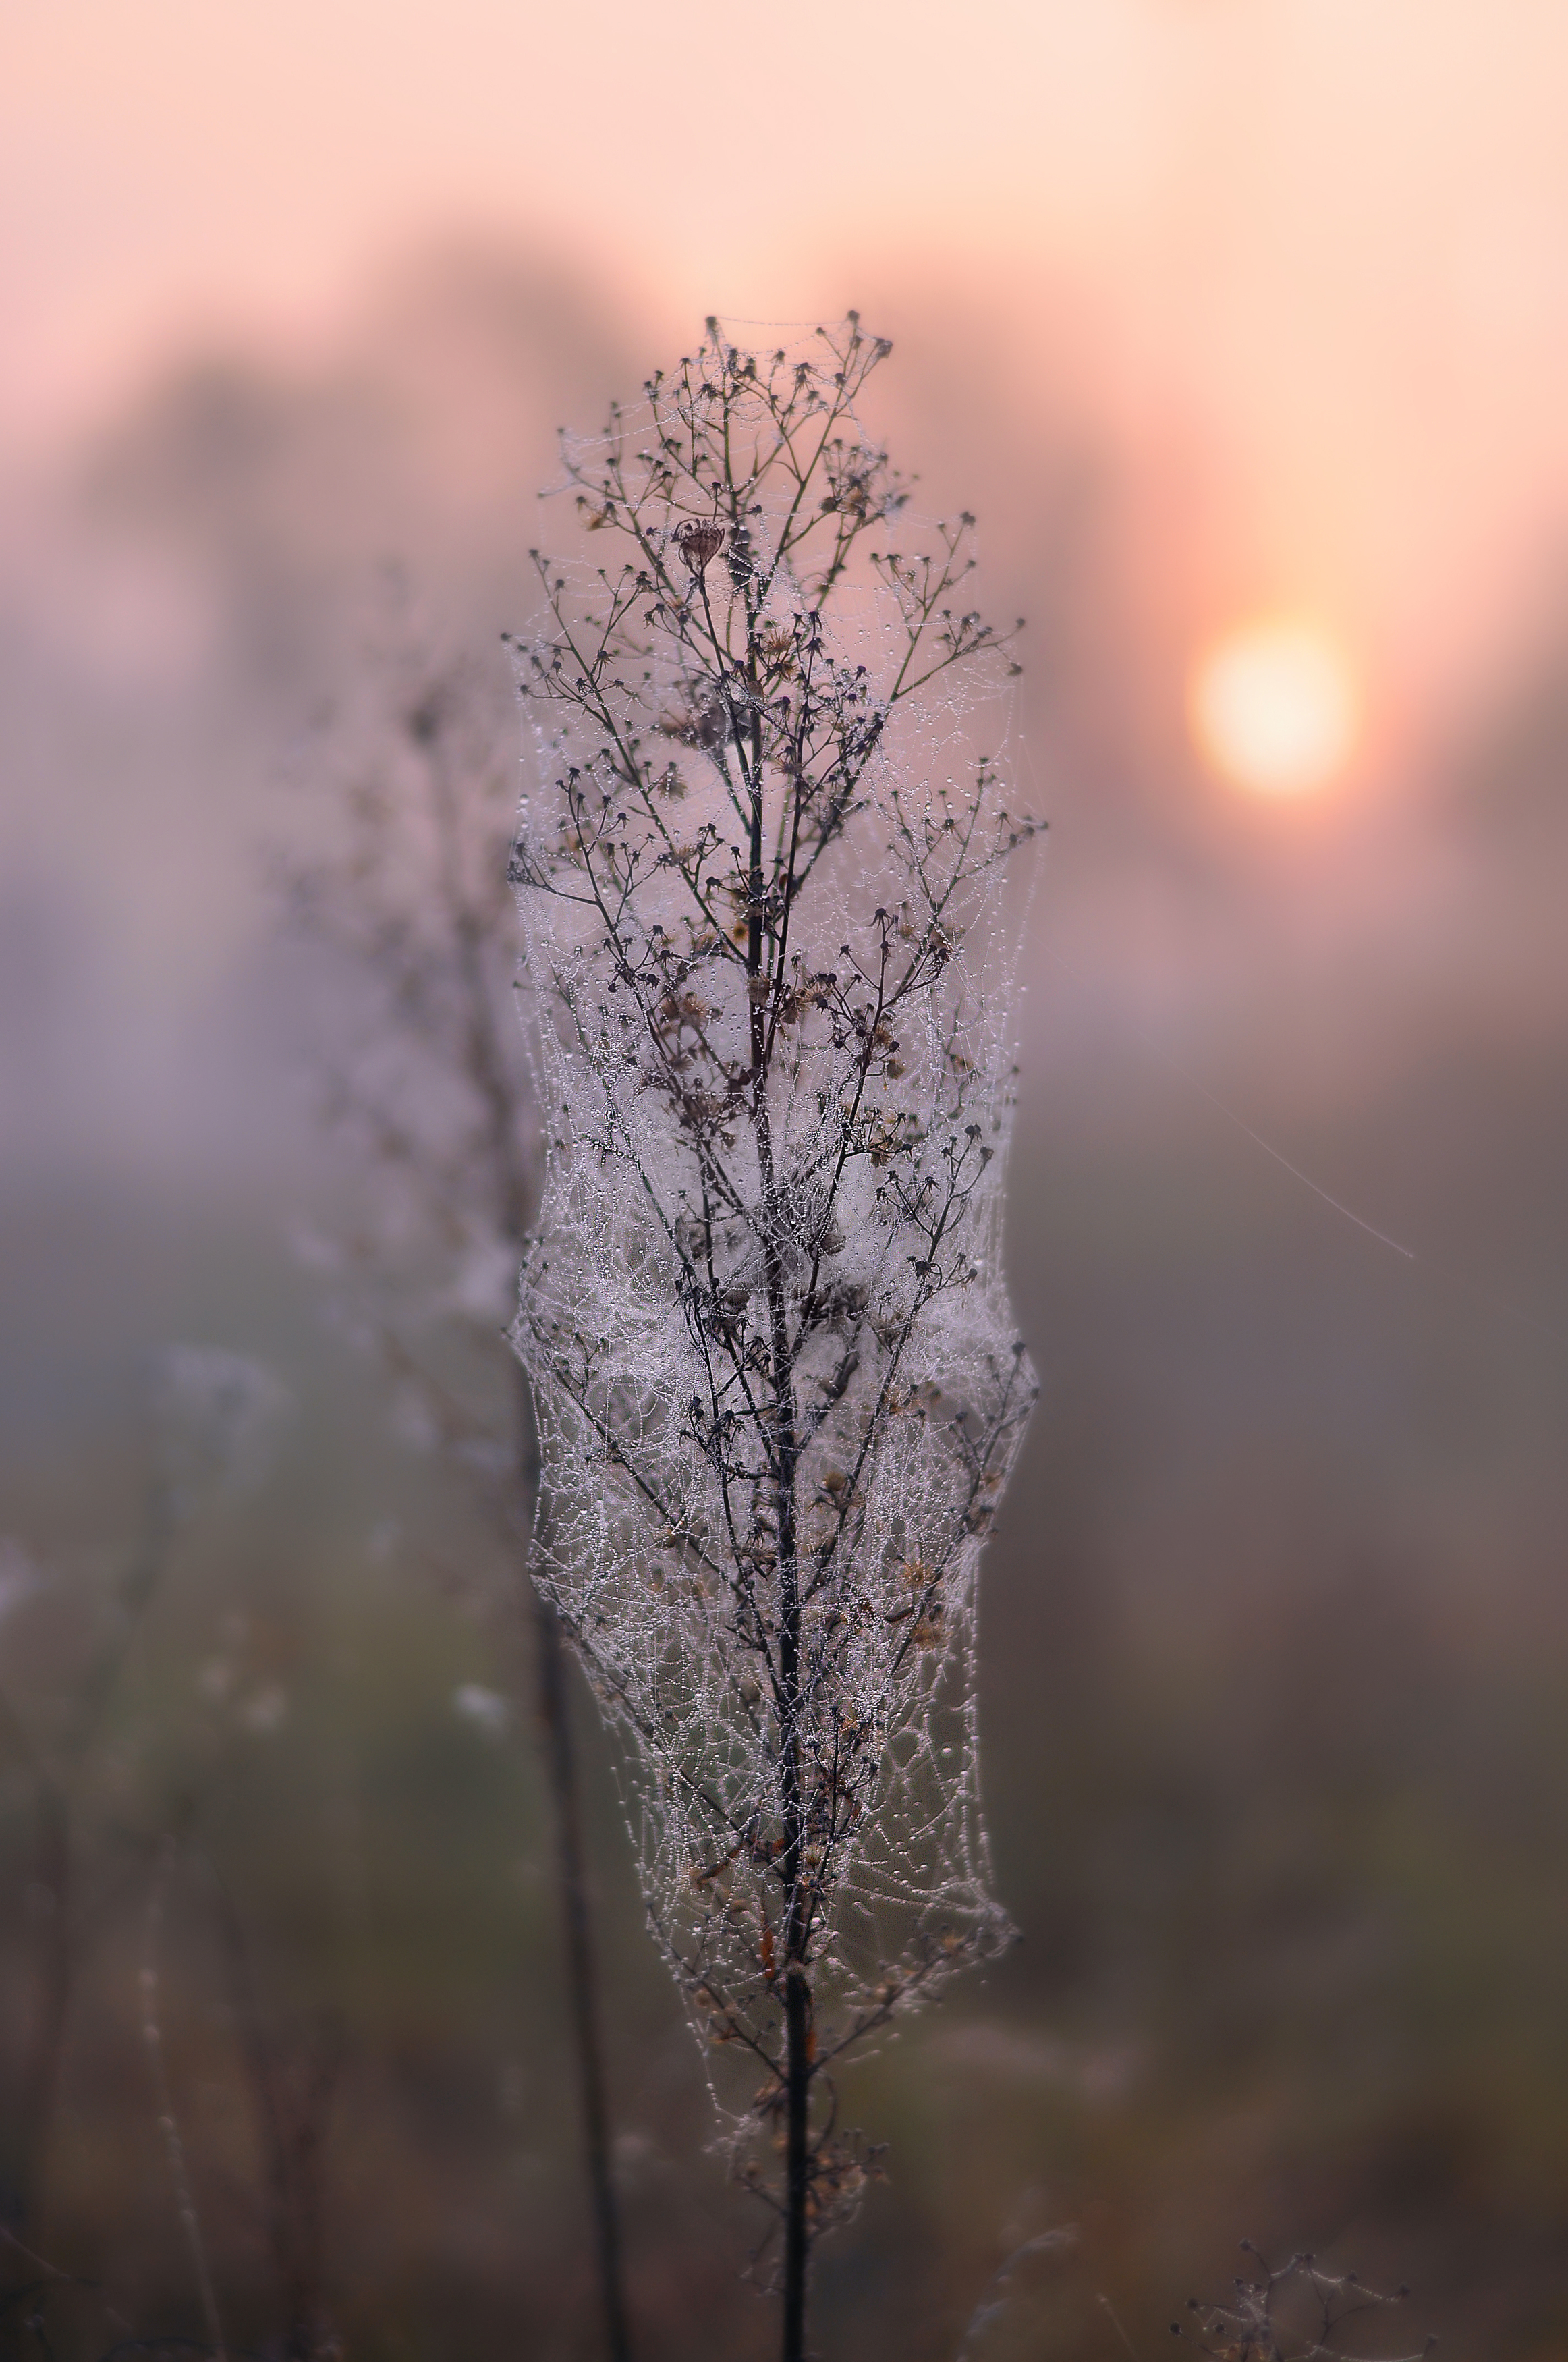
(763,1308)
(1294,2312)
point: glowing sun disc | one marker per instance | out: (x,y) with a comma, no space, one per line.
(1273,707)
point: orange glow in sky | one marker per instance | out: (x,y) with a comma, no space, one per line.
(1313,252)
(1274,707)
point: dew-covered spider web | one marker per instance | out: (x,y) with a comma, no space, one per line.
(768,985)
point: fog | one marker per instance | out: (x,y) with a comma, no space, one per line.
(1273,1624)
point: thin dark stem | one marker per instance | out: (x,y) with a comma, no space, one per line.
(797,2160)
(786,1456)
(797,1981)
(292,2114)
(577,1934)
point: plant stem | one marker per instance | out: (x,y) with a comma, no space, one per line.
(571,1889)
(796,2174)
(785,1456)
(798,1917)
(52,1863)
(493,1080)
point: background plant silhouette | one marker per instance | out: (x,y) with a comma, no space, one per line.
(213,1416)
(427,1086)
(1294,2312)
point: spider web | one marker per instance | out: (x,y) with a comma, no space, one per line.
(871,1179)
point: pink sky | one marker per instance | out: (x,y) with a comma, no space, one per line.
(1321,243)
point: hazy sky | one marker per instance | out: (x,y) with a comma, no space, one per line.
(1324,243)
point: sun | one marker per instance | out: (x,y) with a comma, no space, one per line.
(1273,707)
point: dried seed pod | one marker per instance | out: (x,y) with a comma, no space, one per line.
(699,540)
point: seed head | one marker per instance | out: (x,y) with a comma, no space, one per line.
(698,540)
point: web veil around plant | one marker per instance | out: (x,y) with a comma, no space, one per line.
(763,1309)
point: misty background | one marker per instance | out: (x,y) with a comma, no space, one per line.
(1272,1625)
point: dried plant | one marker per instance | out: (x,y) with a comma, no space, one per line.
(215,1419)
(426,1084)
(763,1308)
(1295,2311)
(292,2076)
